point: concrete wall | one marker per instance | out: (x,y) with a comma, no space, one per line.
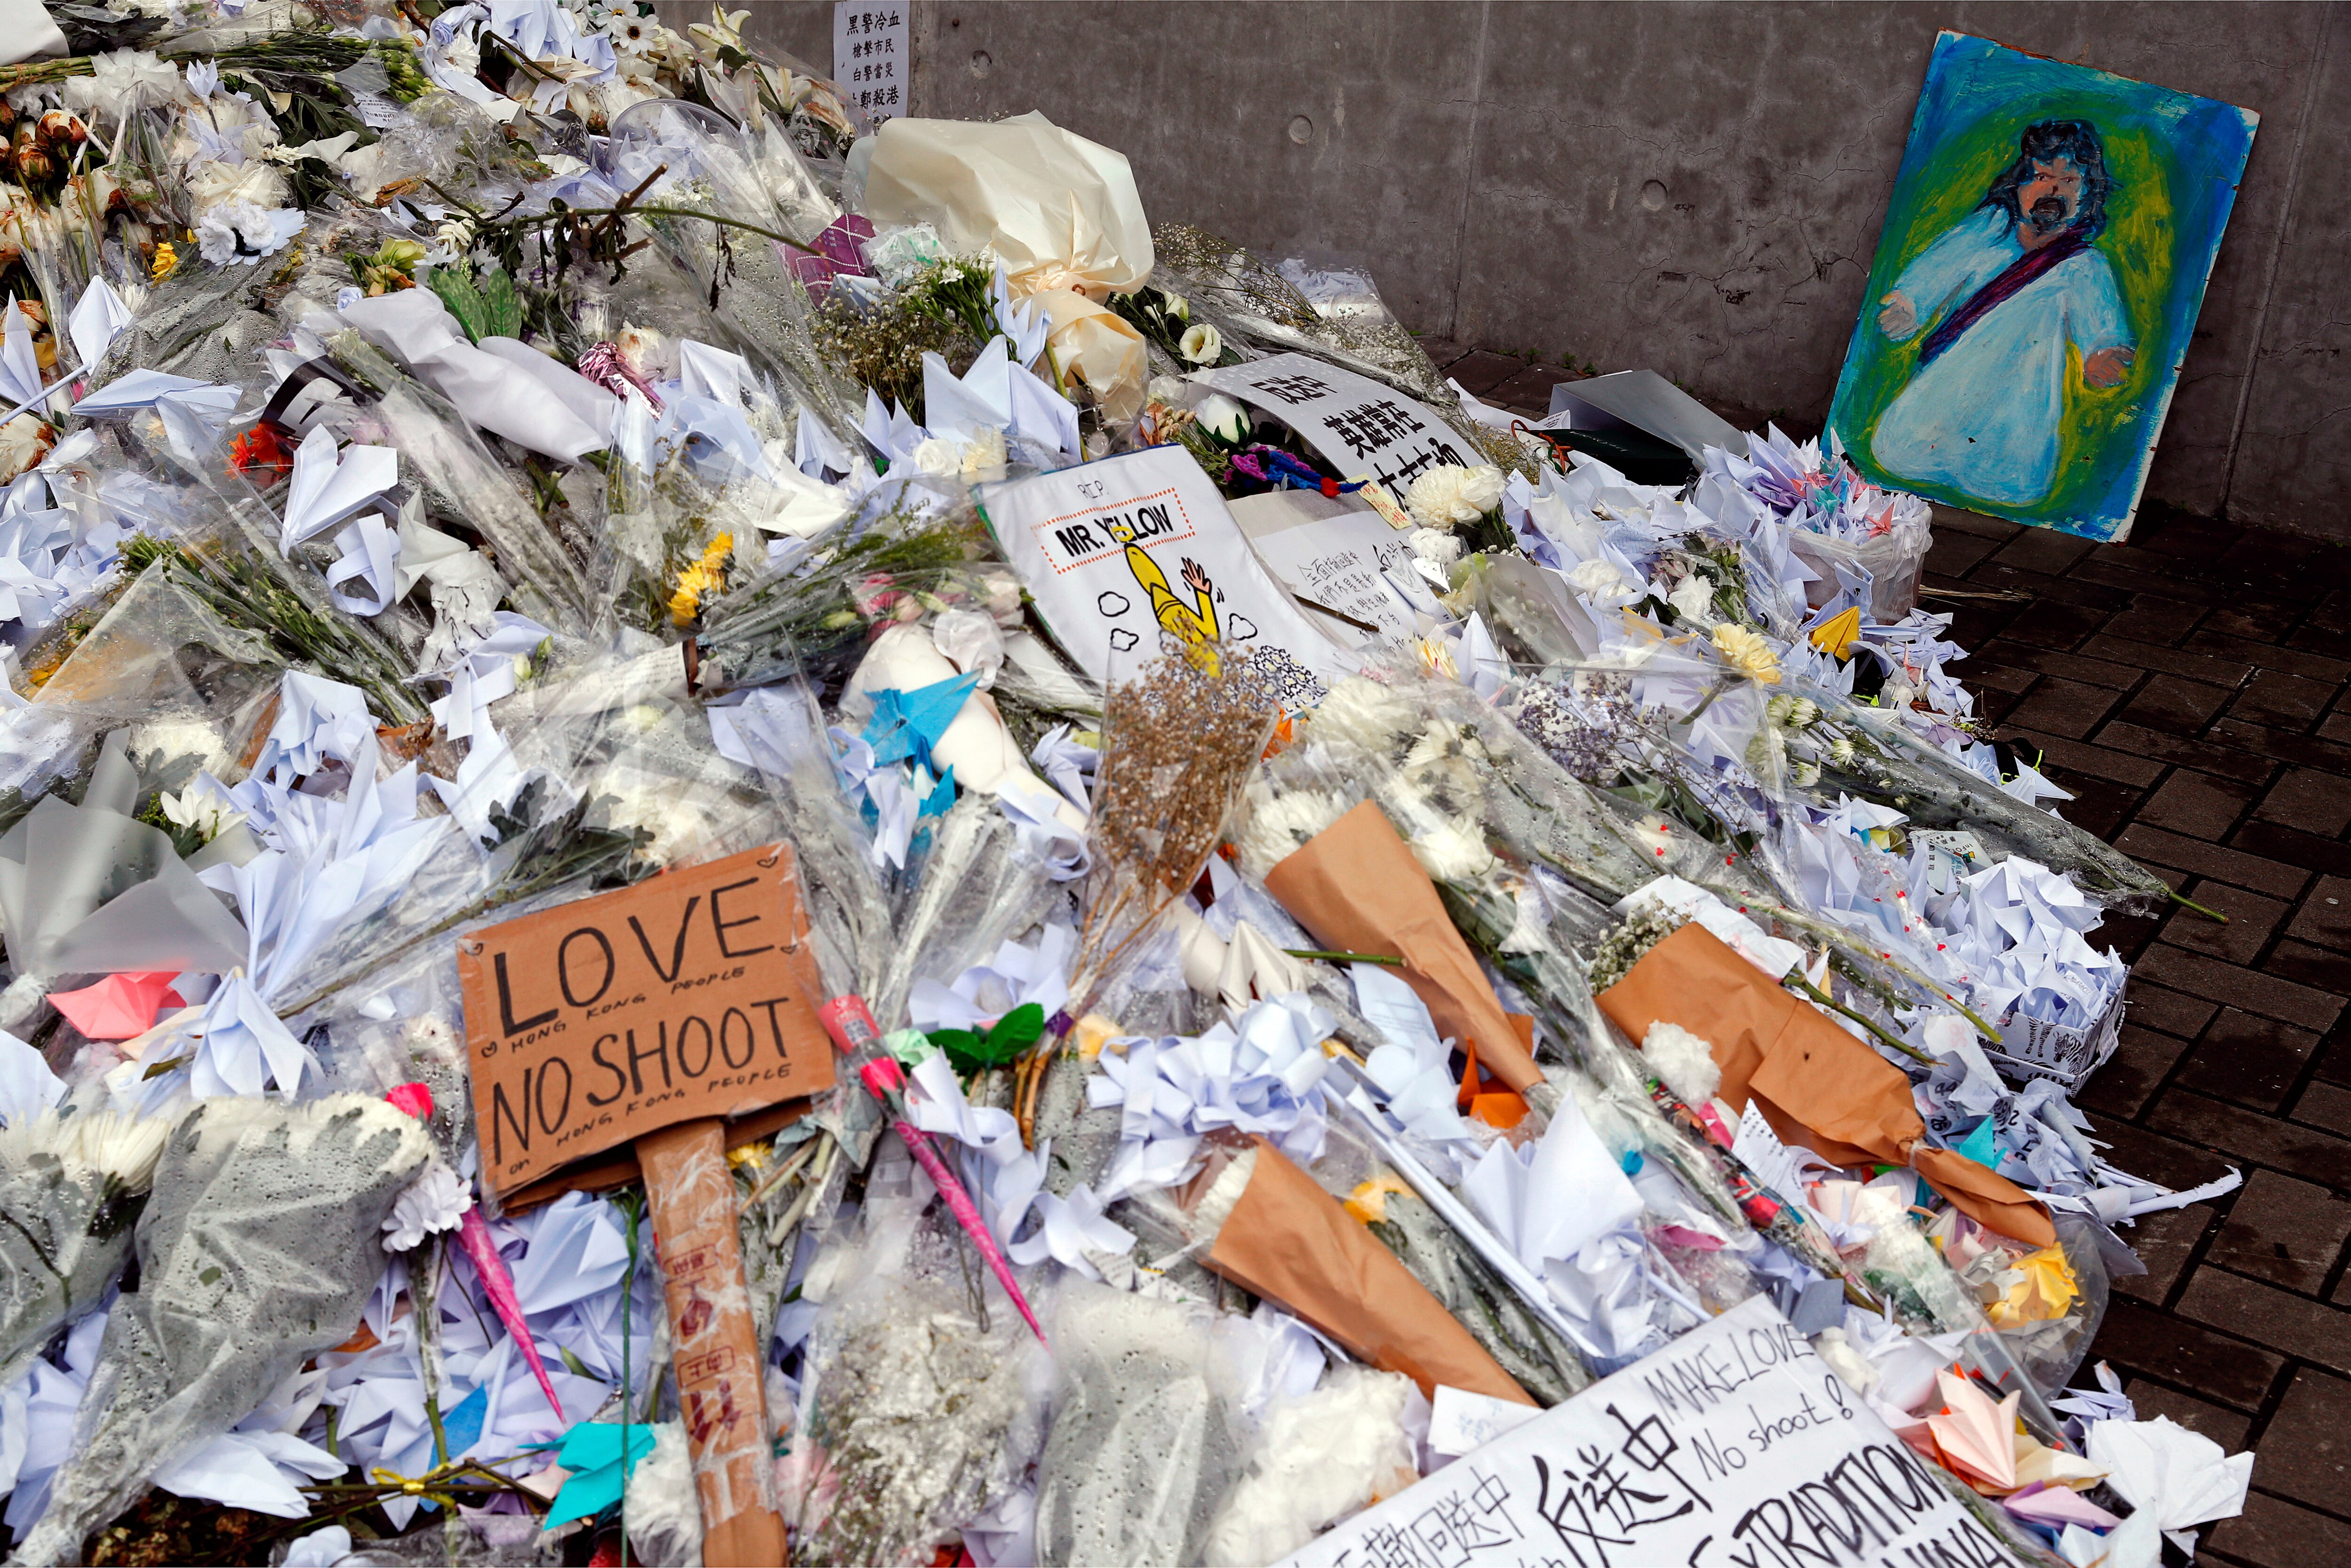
(1692,187)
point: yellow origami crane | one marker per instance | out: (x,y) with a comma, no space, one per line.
(1836,636)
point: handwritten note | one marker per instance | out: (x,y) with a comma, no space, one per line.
(1735,1446)
(686,996)
(869,57)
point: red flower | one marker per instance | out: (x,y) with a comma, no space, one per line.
(260,456)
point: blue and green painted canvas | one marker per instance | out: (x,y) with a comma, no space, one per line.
(2044,257)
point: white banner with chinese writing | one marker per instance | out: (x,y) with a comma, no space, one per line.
(869,57)
(1735,1446)
(1361,428)
(1136,553)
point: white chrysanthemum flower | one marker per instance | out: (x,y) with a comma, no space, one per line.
(1449,496)
(432,1202)
(1682,1061)
(1279,825)
(1453,852)
(171,739)
(677,822)
(1365,715)
(1444,745)
(984,452)
(1203,345)
(124,1147)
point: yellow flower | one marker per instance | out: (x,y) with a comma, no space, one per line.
(707,575)
(167,261)
(1748,652)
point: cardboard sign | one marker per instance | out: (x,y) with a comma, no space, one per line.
(1136,553)
(1362,428)
(692,994)
(1734,1446)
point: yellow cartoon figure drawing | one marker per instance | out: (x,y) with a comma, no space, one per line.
(1194,624)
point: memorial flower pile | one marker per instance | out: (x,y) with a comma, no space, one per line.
(734,839)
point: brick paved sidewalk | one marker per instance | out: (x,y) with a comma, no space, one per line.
(2188,687)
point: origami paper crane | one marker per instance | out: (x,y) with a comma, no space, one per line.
(120,1006)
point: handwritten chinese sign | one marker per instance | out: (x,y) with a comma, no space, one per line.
(1735,1446)
(1363,429)
(688,995)
(869,57)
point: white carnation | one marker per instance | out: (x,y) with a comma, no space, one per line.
(1435,547)
(1448,497)
(1604,580)
(1693,599)
(435,1202)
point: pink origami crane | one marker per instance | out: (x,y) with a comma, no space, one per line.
(120,1006)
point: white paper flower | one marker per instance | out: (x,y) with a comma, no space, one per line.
(1203,345)
(1449,496)
(203,76)
(1223,418)
(435,1202)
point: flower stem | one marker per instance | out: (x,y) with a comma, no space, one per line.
(1343,957)
(2191,903)
(1871,1025)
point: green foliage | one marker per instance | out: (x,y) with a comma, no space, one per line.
(1012,1034)
(487,307)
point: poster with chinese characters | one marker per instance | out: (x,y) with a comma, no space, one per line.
(1733,1447)
(1347,569)
(870,64)
(1135,554)
(1359,427)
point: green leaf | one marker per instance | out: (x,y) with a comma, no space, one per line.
(465,301)
(1015,1032)
(501,306)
